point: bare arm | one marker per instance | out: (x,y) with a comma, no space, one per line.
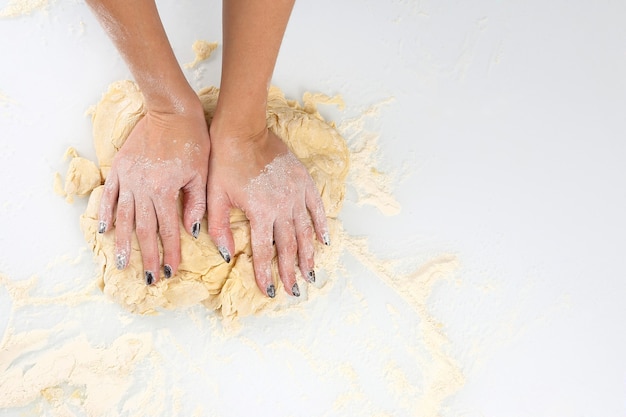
(253,32)
(282,203)
(167,151)
(136,30)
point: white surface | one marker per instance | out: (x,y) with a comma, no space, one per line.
(509,123)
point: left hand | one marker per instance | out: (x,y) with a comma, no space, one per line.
(260,176)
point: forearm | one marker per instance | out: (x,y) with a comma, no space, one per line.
(136,30)
(253,32)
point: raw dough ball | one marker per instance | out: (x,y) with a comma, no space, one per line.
(203,277)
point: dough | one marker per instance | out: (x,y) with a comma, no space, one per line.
(203,276)
(202,50)
(81,178)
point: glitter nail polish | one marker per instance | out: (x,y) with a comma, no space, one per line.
(295,290)
(120,261)
(195,230)
(224,252)
(271,291)
(167,271)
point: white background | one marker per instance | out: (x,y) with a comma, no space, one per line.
(507,133)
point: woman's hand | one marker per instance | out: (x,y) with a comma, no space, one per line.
(166,153)
(260,176)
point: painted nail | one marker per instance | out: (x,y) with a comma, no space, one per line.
(167,271)
(195,229)
(225,253)
(295,290)
(326,239)
(102,227)
(271,291)
(311,276)
(149,277)
(120,261)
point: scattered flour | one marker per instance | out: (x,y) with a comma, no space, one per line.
(77,374)
(17,8)
(372,186)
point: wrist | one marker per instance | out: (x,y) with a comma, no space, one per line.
(162,96)
(237,127)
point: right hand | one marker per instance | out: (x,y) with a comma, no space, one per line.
(166,152)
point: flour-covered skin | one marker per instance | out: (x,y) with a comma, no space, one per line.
(151,169)
(164,155)
(270,185)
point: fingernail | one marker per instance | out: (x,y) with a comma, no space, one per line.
(195,230)
(149,277)
(120,261)
(295,290)
(271,291)
(225,253)
(326,239)
(167,271)
(102,227)
(311,276)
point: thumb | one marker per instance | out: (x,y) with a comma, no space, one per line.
(194,206)
(219,224)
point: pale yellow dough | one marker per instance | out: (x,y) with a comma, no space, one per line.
(203,277)
(81,178)
(202,50)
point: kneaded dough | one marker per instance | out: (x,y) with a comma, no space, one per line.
(203,276)
(81,178)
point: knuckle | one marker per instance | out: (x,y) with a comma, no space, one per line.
(289,249)
(168,232)
(309,260)
(124,203)
(305,247)
(198,206)
(306,230)
(143,231)
(172,257)
(123,216)
(262,253)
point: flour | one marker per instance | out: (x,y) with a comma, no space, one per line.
(372,186)
(77,374)
(17,8)
(35,367)
(5,100)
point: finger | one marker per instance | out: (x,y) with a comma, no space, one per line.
(169,231)
(108,202)
(219,225)
(124,225)
(194,205)
(262,252)
(318,215)
(146,227)
(286,248)
(304,237)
